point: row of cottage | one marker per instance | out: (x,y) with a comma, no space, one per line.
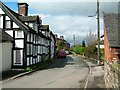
(31,42)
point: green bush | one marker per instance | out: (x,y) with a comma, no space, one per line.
(91,51)
(29,69)
(79,49)
(101,53)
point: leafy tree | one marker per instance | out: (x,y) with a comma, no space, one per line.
(83,43)
(91,51)
(78,49)
(60,45)
(91,38)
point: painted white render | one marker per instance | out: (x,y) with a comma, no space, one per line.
(6,56)
(1,22)
(1,11)
(52,47)
(101,46)
(10,33)
(0,58)
(15,25)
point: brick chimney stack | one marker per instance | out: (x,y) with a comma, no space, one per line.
(23,9)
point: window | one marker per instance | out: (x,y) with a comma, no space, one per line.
(31,37)
(8,24)
(34,39)
(18,56)
(31,60)
(34,51)
(28,61)
(19,34)
(31,49)
(38,49)
(28,49)
(41,49)
(28,37)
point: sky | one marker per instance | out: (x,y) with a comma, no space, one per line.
(68,17)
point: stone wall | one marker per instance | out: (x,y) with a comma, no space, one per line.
(111,76)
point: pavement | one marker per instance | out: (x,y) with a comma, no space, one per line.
(11,73)
(96,75)
(96,79)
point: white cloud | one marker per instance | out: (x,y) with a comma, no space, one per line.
(68,18)
(68,25)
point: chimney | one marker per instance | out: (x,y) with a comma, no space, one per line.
(56,36)
(23,9)
(61,37)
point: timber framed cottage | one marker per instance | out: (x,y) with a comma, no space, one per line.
(30,46)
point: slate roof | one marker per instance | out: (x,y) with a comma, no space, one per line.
(44,27)
(4,37)
(112,28)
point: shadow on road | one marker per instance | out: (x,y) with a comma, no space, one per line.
(61,62)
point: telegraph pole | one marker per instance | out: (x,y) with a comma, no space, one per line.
(98,22)
(74,39)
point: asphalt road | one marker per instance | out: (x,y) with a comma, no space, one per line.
(64,73)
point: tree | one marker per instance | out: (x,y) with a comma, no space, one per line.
(78,49)
(91,38)
(60,45)
(83,43)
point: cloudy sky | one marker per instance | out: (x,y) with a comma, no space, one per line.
(68,17)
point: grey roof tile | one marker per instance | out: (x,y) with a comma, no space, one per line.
(112,25)
(44,27)
(28,18)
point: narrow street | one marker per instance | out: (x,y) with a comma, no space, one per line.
(64,73)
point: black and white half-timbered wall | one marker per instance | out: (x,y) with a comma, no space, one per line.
(32,41)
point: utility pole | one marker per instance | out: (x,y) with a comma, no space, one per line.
(98,22)
(74,39)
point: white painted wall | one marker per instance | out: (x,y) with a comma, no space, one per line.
(101,46)
(0,58)
(6,56)
(15,25)
(1,21)
(52,47)
(1,11)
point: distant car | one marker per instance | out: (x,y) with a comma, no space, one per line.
(61,54)
(67,52)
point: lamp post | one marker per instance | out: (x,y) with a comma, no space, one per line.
(98,22)
(98,32)
(74,39)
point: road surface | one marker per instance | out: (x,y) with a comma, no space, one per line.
(64,73)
